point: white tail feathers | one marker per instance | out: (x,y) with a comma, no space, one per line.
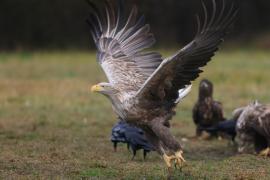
(183,93)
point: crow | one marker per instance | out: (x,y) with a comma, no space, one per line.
(132,136)
(118,134)
(227,127)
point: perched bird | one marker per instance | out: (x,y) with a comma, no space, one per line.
(253,128)
(132,136)
(207,112)
(227,127)
(143,87)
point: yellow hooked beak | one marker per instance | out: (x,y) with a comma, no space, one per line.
(96,88)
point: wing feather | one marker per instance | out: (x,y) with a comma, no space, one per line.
(120,43)
(179,70)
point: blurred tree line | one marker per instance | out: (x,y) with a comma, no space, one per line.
(34,24)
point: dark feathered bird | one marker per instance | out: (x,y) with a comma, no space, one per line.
(207,112)
(142,86)
(253,128)
(118,134)
(228,127)
(136,139)
(132,136)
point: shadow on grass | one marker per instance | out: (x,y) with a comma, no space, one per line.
(211,151)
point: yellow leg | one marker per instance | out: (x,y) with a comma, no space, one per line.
(265,152)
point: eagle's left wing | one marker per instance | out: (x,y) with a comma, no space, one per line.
(177,71)
(121,42)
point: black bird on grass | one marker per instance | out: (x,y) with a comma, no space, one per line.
(118,134)
(207,112)
(227,127)
(132,136)
(136,140)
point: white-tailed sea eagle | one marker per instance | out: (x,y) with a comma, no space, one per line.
(143,87)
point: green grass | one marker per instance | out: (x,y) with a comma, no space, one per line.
(51,126)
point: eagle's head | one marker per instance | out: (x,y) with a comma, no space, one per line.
(205,89)
(244,140)
(104,88)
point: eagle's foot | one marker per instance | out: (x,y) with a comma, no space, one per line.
(265,152)
(177,159)
(168,160)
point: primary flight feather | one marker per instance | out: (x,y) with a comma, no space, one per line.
(143,87)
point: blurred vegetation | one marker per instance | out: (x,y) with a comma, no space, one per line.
(33,24)
(52,127)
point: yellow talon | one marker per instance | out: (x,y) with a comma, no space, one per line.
(177,158)
(179,155)
(168,160)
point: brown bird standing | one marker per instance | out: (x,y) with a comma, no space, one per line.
(207,112)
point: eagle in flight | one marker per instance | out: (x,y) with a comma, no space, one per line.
(142,86)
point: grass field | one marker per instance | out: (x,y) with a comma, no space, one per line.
(51,126)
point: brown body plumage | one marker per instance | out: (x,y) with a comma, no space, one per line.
(207,112)
(253,128)
(143,87)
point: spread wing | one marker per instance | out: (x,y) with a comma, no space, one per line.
(120,42)
(177,71)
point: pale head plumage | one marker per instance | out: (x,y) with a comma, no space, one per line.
(104,88)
